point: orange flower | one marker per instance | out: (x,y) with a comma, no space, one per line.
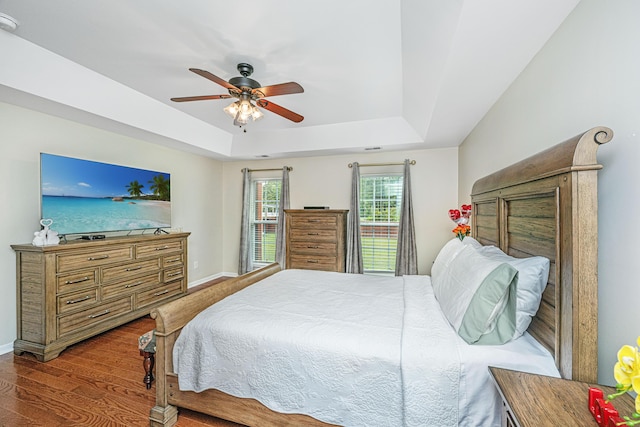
(461,231)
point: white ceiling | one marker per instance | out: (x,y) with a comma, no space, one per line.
(395,74)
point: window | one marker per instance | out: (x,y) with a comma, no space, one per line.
(265,196)
(380,199)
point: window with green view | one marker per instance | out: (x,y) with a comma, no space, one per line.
(380,200)
(264,220)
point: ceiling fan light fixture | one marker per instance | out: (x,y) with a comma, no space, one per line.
(256,114)
(245,107)
(242,111)
(232,109)
(240,119)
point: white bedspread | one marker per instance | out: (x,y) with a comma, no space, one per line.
(352,350)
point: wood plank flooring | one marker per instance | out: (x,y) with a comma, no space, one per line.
(97,382)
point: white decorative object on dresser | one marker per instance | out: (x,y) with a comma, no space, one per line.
(316,239)
(69,292)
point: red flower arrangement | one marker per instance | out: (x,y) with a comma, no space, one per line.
(461,218)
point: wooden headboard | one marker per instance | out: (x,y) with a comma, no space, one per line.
(547,205)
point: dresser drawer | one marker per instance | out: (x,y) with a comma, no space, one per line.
(173,260)
(311,262)
(314,248)
(151,296)
(134,269)
(129,286)
(77,280)
(77,300)
(104,256)
(85,319)
(158,248)
(171,274)
(316,235)
(316,221)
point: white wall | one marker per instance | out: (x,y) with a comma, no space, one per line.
(195,189)
(326,181)
(587,75)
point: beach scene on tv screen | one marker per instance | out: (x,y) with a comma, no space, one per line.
(83,196)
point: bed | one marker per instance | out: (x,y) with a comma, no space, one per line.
(545,206)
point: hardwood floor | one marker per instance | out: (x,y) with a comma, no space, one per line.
(97,382)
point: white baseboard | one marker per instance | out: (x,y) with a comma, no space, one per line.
(209,278)
(6,348)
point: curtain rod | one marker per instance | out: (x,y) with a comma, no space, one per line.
(412,162)
(289,168)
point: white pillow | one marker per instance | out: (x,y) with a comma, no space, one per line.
(533,275)
(477,294)
(448,252)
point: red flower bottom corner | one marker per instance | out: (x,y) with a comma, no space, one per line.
(603,412)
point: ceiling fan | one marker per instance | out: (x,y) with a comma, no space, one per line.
(247,90)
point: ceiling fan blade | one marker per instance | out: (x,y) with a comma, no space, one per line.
(214,78)
(280,89)
(200,98)
(281,111)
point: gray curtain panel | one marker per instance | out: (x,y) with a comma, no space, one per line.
(245,264)
(281,252)
(354,243)
(406,257)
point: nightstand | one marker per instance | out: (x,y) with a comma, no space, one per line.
(537,400)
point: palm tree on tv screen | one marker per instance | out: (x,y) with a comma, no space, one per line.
(160,187)
(135,188)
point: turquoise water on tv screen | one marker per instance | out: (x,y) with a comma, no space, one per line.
(84,196)
(77,215)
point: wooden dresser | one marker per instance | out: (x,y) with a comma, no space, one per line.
(316,239)
(535,400)
(69,292)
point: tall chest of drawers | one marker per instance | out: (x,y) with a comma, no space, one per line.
(69,292)
(316,239)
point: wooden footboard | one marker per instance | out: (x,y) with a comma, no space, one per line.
(248,412)
(170,319)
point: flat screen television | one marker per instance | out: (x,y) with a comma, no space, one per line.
(87,197)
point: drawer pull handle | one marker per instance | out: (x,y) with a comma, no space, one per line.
(96,258)
(173,260)
(131,285)
(313,234)
(93,316)
(162,248)
(312,261)
(313,220)
(313,247)
(157,294)
(72,282)
(176,273)
(133,268)
(75,301)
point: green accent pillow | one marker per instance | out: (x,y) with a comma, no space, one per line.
(495,296)
(477,295)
